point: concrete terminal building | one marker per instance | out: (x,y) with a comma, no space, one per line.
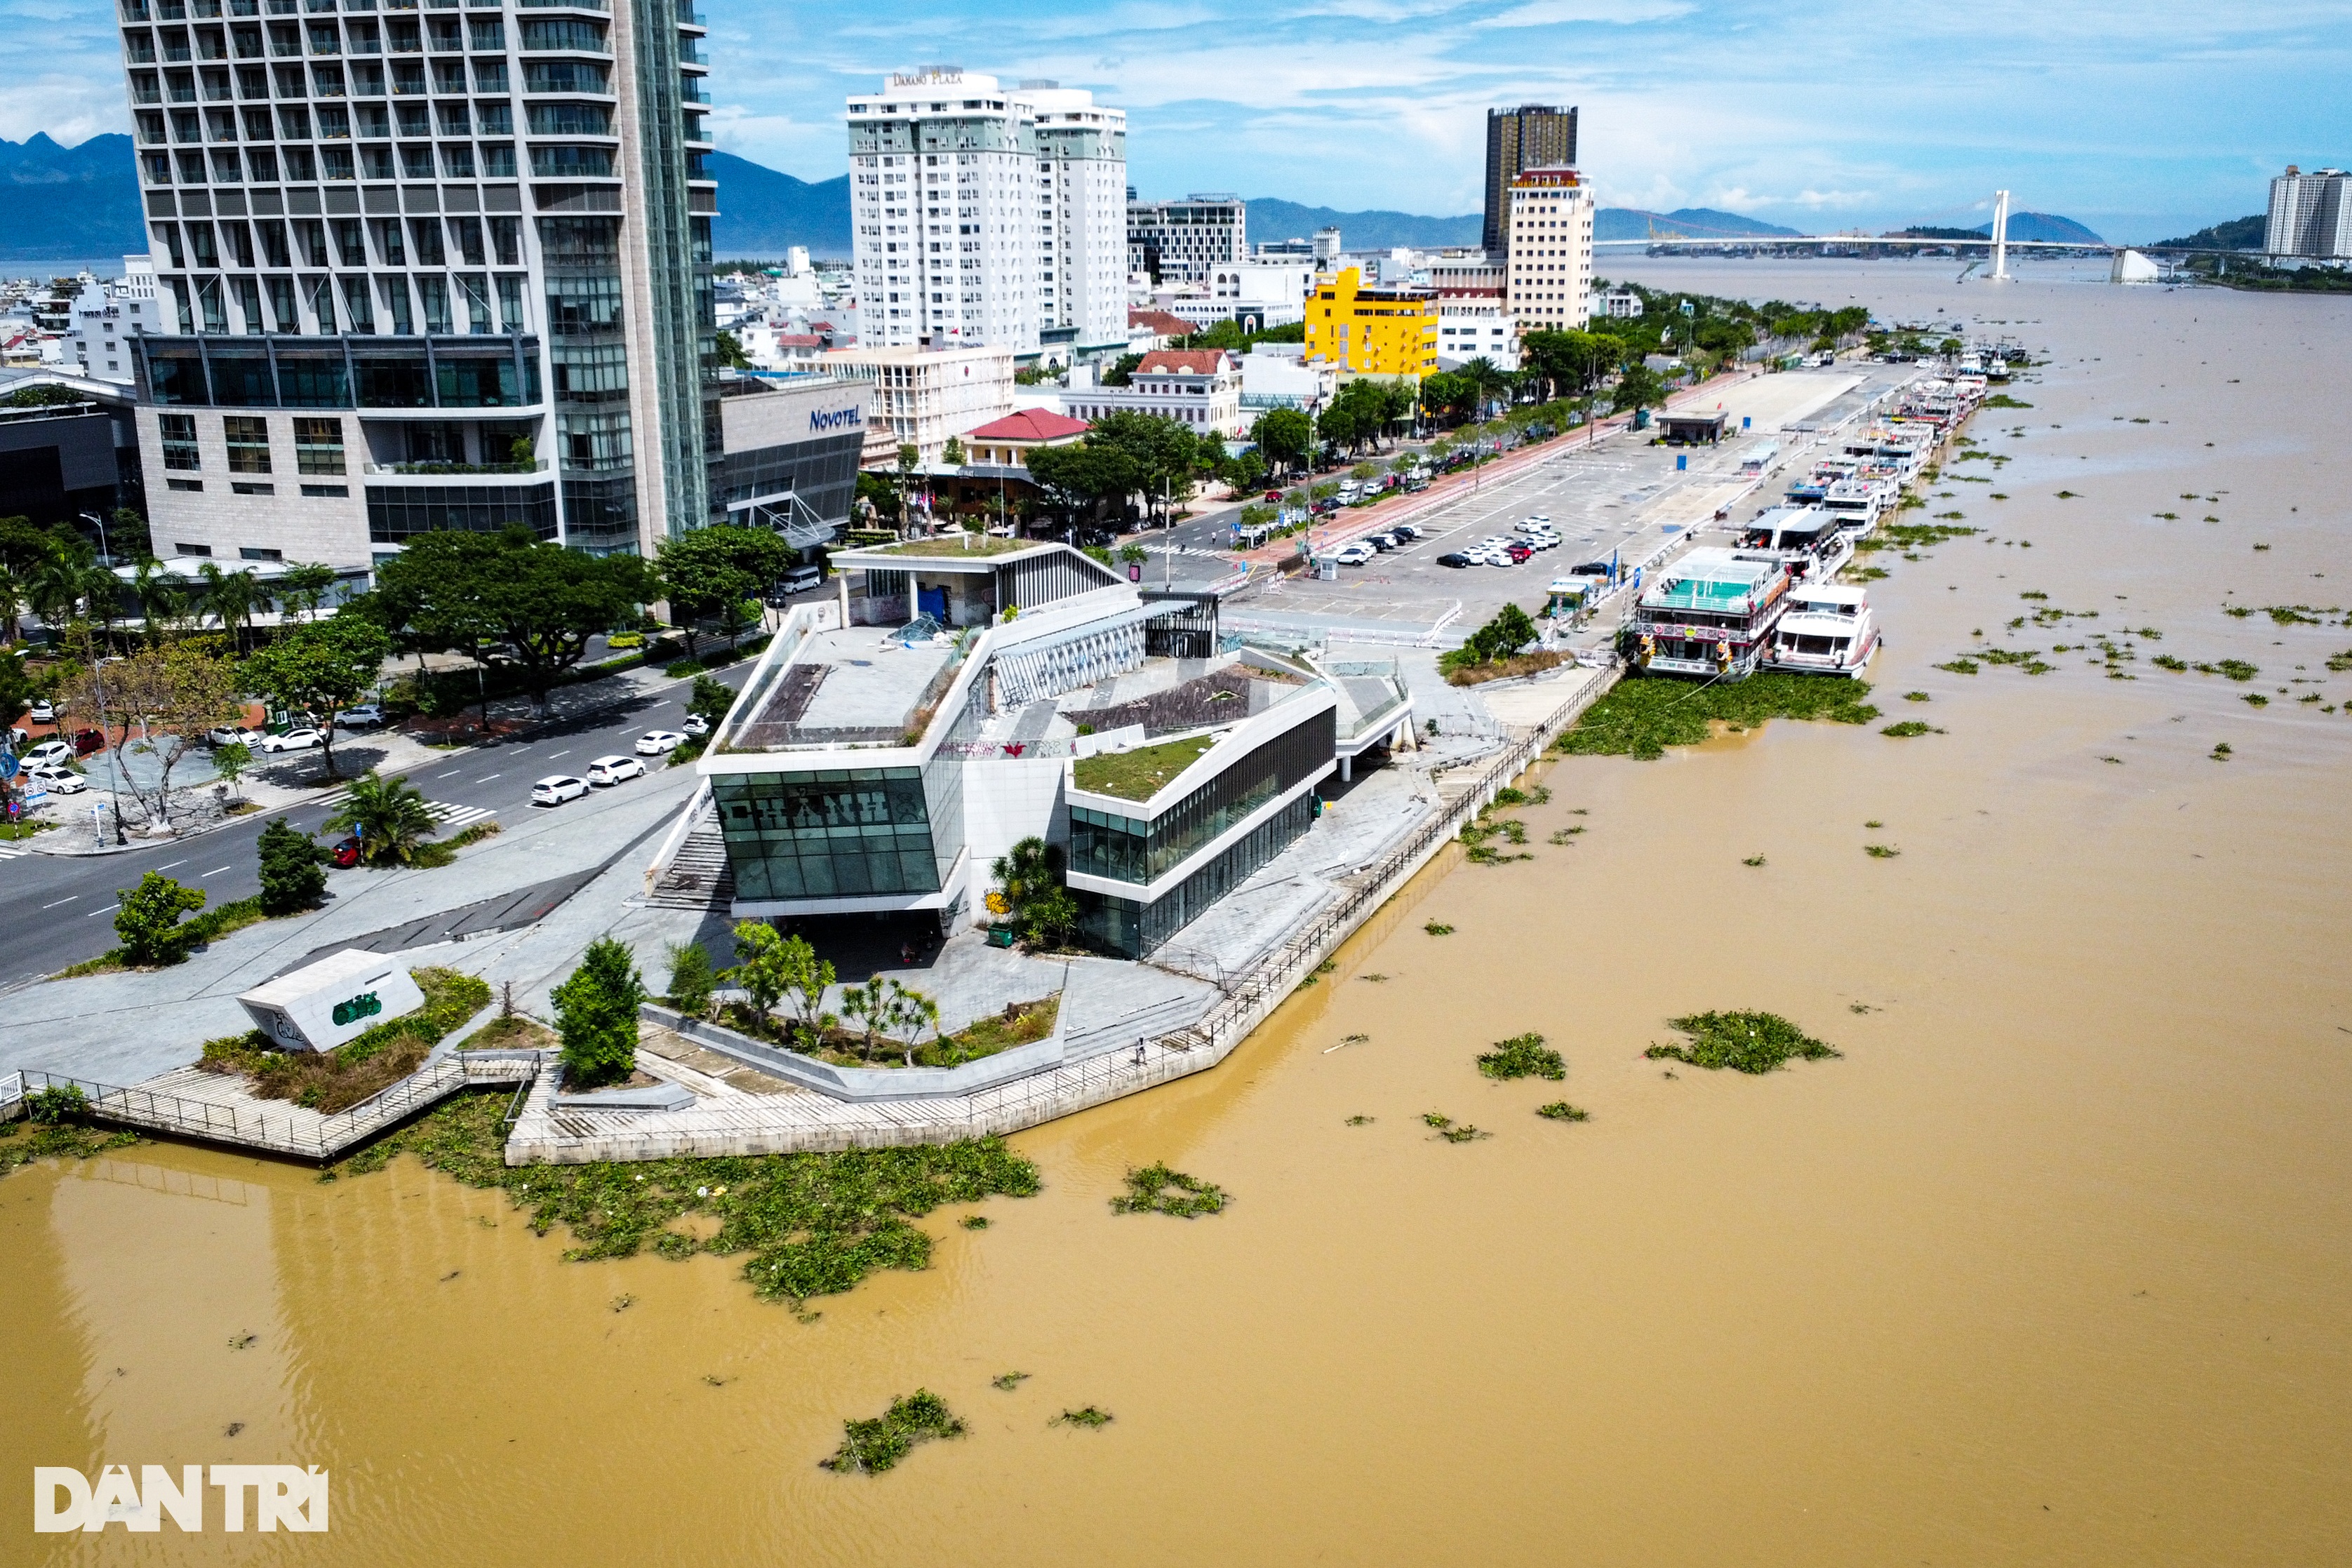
(955,699)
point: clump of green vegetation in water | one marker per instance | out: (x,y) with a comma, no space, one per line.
(2068,496)
(2167,662)
(1962,666)
(1091,1417)
(1437,929)
(2340,663)
(811,1224)
(1158,1189)
(1359,1120)
(1477,836)
(2221,752)
(1321,970)
(1909,727)
(974,1222)
(1880,851)
(869,1447)
(1916,697)
(1009,1381)
(1743,1041)
(2002,399)
(1753,861)
(2257,699)
(1536,795)
(1451,1132)
(1561,1111)
(1522,1056)
(2235,669)
(1915,536)
(1874,822)
(1640,717)
(54,1128)
(1565,838)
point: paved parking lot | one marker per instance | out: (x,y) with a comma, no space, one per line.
(1619,496)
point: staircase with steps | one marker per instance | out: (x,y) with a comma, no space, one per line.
(698,876)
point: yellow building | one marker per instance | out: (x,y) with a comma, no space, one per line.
(1375,332)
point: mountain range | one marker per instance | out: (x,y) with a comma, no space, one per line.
(83,201)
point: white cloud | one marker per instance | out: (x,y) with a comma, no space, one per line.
(1553,13)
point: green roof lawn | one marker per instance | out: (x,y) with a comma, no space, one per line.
(1138,775)
(950,547)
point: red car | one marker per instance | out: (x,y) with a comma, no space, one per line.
(1520,554)
(346,854)
(86,741)
(1274,495)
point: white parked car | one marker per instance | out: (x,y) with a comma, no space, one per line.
(55,779)
(654,742)
(303,739)
(49,751)
(696,725)
(1539,516)
(613,770)
(43,712)
(1355,554)
(555,790)
(367,716)
(233,734)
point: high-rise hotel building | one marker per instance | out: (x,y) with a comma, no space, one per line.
(424,265)
(987,215)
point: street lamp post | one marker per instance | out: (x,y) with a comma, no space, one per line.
(105,556)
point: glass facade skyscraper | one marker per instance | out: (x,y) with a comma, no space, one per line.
(474,238)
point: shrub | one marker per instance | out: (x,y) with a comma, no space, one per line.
(691,978)
(596,1015)
(292,876)
(149,920)
(57,1103)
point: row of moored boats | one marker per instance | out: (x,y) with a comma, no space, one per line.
(1773,601)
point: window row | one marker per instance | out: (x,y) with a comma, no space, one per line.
(301,165)
(139,10)
(228,379)
(458,304)
(357,242)
(318,443)
(367,122)
(405,78)
(360,35)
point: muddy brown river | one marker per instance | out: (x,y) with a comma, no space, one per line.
(2053,1266)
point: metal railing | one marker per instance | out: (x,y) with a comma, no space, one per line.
(294,1131)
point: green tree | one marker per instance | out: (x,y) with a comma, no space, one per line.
(230,762)
(320,667)
(1638,387)
(233,598)
(126,536)
(1030,887)
(389,815)
(148,921)
(1164,452)
(731,351)
(711,571)
(911,1015)
(293,872)
(164,699)
(303,588)
(710,699)
(772,969)
(596,1015)
(692,977)
(1079,479)
(869,1004)
(953,453)
(16,691)
(1121,370)
(1283,434)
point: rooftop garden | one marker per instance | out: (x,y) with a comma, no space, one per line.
(1139,774)
(956,546)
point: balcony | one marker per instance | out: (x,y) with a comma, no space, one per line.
(457,470)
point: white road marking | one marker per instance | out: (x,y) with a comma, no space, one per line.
(169,867)
(69,898)
(216,871)
(487,778)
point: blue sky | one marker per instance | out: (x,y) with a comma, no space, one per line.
(2142,119)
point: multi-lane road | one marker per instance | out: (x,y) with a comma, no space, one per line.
(59,907)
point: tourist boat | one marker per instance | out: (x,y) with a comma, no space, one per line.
(1710,613)
(1812,543)
(1827,629)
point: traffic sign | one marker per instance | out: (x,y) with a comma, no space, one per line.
(9,765)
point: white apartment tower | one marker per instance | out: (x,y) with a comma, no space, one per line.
(988,216)
(1547,277)
(2311,214)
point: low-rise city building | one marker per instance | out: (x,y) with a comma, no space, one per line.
(1381,330)
(1199,388)
(922,396)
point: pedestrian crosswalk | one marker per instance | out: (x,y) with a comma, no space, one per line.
(452,816)
(12,852)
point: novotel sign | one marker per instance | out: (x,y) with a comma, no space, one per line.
(835,418)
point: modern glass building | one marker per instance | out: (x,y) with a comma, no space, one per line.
(424,265)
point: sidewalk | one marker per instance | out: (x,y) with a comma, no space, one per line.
(125,1028)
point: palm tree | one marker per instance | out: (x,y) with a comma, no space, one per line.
(162,598)
(54,587)
(388,814)
(12,603)
(232,597)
